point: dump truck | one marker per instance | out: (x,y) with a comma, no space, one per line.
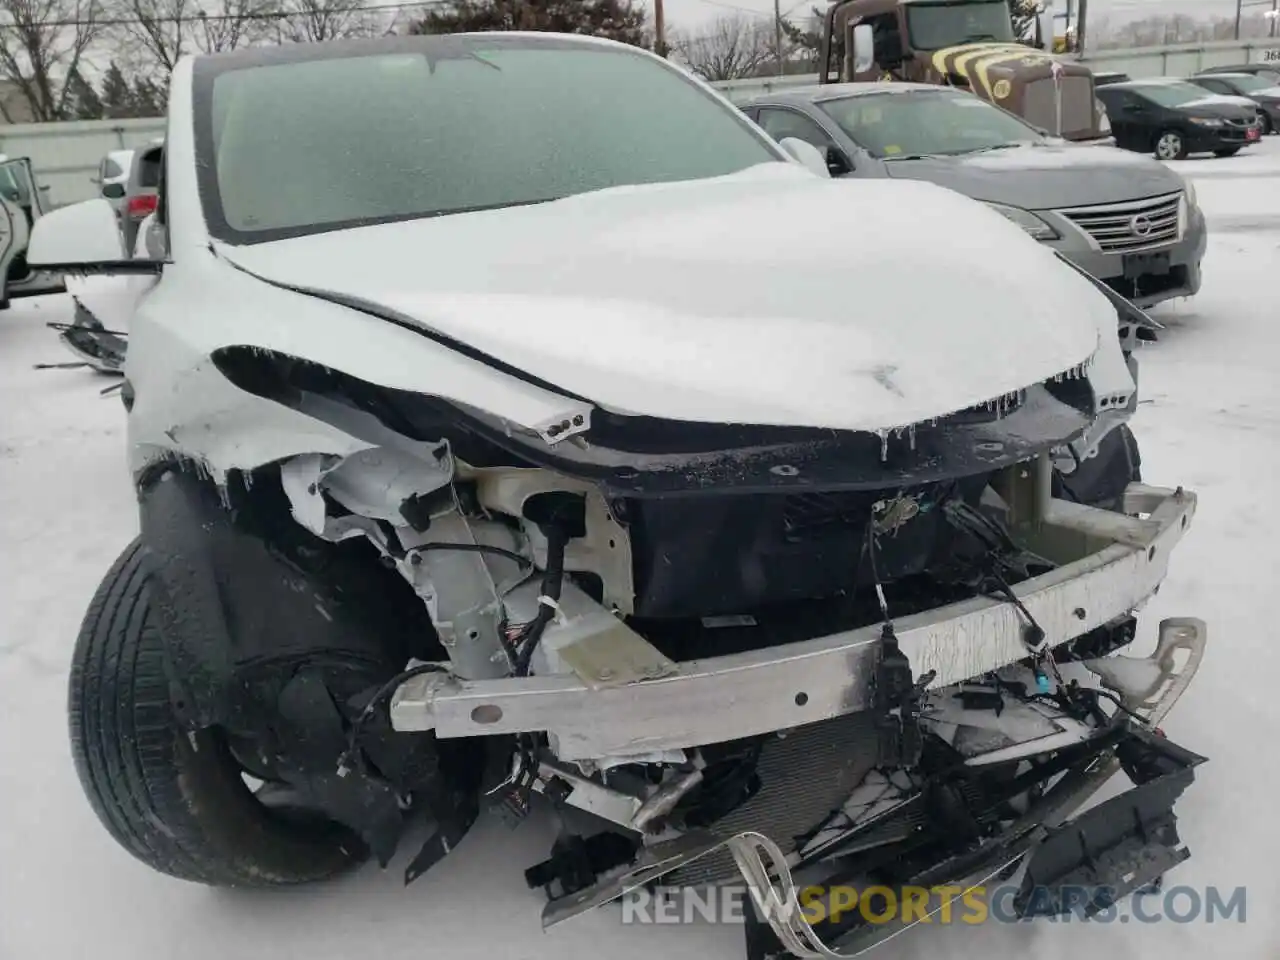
(965,43)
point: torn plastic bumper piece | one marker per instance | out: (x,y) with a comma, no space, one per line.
(91,342)
(1133,827)
(1118,847)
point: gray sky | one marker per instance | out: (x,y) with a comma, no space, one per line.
(691,14)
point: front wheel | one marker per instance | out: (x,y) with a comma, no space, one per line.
(1170,146)
(175,800)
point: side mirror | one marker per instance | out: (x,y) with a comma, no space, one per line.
(837,163)
(805,154)
(113,191)
(864,48)
(82,238)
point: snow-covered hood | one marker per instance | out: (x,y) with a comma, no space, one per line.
(1042,177)
(771,296)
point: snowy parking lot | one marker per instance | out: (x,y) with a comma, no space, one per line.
(1209,420)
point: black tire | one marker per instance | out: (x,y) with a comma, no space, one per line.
(175,801)
(1101,480)
(1227,152)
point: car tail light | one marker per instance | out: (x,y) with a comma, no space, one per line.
(142,206)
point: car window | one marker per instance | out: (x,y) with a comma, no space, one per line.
(1246,84)
(110,169)
(927,123)
(933,26)
(149,163)
(779,123)
(1171,94)
(313,140)
(14,183)
(1214,85)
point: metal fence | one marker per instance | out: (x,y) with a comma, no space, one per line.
(66,155)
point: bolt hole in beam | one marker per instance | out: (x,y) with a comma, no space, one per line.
(486,713)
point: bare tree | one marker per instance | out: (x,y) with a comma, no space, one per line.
(313,21)
(42,48)
(733,47)
(160,32)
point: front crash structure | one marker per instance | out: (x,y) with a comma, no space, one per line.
(950,820)
(720,653)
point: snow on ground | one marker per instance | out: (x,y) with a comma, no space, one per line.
(1210,421)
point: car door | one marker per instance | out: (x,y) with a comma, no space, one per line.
(781,122)
(14,234)
(18,179)
(1137,118)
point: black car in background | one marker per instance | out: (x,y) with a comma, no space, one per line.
(1174,118)
(1259,87)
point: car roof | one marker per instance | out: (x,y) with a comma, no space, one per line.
(1224,75)
(432,44)
(1147,82)
(820,93)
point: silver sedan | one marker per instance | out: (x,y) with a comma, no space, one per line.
(1126,219)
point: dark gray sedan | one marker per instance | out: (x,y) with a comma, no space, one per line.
(1126,219)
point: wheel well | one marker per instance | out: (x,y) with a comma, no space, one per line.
(245,593)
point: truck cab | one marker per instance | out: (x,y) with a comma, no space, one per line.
(965,43)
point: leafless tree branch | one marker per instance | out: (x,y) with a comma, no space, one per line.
(733,47)
(38,59)
(157,33)
(313,21)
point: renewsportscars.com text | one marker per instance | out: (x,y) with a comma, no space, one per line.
(942,905)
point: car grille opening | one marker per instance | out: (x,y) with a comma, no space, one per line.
(1040,105)
(1133,226)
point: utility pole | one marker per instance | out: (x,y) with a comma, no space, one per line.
(659,30)
(1082,17)
(777,34)
(1239,5)
(1275,13)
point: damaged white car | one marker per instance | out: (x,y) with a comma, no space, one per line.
(491,451)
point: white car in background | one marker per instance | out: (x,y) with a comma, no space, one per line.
(112,177)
